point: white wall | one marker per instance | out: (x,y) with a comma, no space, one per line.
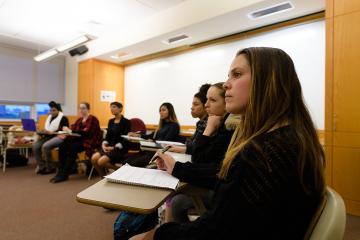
(71,86)
(176,79)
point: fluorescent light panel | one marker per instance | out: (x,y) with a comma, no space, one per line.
(45,55)
(73,43)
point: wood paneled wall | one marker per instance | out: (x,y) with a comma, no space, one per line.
(94,76)
(342,113)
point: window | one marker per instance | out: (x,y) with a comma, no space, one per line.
(41,109)
(11,112)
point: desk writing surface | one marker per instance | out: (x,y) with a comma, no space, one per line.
(126,197)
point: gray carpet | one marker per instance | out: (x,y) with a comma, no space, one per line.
(34,208)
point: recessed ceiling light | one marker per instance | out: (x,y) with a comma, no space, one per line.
(271,10)
(176,39)
(120,55)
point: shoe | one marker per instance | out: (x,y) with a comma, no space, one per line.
(47,171)
(38,170)
(60,178)
(53,178)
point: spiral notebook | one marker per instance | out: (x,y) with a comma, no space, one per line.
(143,177)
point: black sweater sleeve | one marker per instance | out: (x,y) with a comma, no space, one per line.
(197,174)
(211,149)
(230,206)
(64,122)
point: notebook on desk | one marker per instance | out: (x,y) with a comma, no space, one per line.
(153,145)
(28,124)
(143,177)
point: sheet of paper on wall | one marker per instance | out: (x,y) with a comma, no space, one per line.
(107,96)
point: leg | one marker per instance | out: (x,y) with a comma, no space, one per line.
(104,162)
(46,149)
(95,162)
(37,147)
(180,206)
(67,155)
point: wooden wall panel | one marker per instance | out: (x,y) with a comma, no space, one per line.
(342,91)
(346,172)
(86,81)
(94,76)
(346,6)
(108,77)
(346,72)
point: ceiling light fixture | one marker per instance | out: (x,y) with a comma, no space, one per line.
(54,51)
(74,43)
(46,55)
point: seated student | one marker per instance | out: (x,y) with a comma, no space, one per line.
(168,130)
(114,146)
(272,177)
(91,136)
(208,152)
(198,110)
(42,147)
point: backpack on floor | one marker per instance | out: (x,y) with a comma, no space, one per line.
(14,159)
(128,224)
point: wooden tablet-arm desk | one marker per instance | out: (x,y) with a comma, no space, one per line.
(138,199)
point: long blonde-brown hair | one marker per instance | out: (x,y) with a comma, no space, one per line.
(276,98)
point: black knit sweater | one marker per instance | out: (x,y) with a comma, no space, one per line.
(257,200)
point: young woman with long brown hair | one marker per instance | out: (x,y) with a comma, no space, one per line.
(271,180)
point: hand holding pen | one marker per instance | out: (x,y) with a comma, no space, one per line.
(165,162)
(156,155)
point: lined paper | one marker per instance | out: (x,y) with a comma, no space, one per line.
(143,177)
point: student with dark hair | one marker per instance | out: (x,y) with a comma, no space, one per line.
(43,146)
(208,152)
(114,146)
(272,177)
(90,139)
(198,110)
(168,130)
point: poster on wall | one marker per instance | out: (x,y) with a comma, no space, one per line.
(107,96)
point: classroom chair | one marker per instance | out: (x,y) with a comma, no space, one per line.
(329,221)
(16,138)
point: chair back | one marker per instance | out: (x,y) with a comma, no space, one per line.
(329,221)
(137,125)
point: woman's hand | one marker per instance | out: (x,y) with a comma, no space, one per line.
(213,124)
(165,162)
(66,129)
(177,149)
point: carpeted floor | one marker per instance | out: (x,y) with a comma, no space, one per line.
(33,208)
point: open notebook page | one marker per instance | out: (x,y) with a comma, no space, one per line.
(143,177)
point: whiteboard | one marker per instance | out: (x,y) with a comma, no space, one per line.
(177,78)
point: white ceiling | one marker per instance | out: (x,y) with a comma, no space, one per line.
(43,24)
(223,25)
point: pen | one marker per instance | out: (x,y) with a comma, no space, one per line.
(156,156)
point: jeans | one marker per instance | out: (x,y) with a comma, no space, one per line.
(44,146)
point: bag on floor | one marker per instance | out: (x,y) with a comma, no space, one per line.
(128,224)
(14,158)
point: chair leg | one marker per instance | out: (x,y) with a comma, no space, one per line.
(4,162)
(26,152)
(91,172)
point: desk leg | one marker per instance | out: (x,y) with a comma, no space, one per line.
(199,205)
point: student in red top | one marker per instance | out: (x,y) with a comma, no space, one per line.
(90,138)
